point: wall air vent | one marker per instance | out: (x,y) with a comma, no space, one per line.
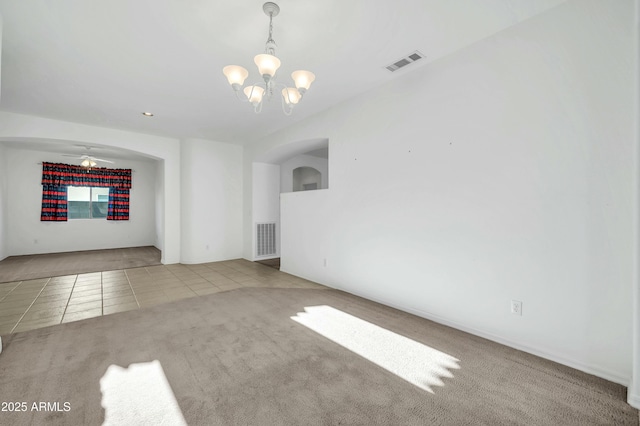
(265,239)
(409,59)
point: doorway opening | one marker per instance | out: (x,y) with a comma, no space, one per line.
(272,263)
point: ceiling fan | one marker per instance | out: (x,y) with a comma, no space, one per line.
(88,160)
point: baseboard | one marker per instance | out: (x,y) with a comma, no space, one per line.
(589,369)
(207,260)
(634,400)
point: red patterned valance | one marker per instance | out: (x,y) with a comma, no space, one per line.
(65,174)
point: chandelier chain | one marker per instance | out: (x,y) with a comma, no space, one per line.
(271,44)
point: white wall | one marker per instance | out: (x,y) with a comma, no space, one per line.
(266,202)
(633,393)
(159,212)
(247,206)
(17,127)
(3,237)
(287,168)
(1,31)
(303,211)
(502,172)
(28,235)
(3,204)
(211,187)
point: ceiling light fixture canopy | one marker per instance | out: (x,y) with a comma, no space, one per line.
(268,65)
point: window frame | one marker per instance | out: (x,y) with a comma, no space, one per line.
(91,201)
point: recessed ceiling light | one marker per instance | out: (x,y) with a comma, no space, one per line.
(147,114)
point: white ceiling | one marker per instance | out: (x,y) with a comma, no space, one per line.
(104,62)
(320,153)
(61,150)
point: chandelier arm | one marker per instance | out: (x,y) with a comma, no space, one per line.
(287,110)
(241,98)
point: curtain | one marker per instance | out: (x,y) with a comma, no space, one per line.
(118,204)
(66,174)
(56,177)
(54,203)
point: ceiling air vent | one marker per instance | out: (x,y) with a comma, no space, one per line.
(409,59)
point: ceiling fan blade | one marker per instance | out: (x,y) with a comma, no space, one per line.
(104,161)
(70,155)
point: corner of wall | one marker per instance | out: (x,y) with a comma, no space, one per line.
(159,210)
(3,215)
(1,28)
(247,202)
(634,400)
(633,392)
(3,248)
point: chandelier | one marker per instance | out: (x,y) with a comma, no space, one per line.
(268,64)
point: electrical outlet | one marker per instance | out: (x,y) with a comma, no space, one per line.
(516,307)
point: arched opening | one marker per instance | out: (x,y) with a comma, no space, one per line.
(306,179)
(291,167)
(146,228)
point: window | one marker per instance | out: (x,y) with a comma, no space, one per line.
(64,185)
(85,202)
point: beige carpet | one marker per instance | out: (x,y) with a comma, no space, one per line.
(19,268)
(238,357)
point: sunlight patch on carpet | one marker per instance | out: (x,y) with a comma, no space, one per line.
(412,361)
(139,394)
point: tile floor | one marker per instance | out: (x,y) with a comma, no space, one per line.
(37,303)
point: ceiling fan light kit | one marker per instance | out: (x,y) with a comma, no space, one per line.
(88,163)
(268,65)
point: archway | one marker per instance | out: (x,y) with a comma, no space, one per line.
(306,179)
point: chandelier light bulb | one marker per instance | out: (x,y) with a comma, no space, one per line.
(254,94)
(291,96)
(85,163)
(267,64)
(303,79)
(236,75)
